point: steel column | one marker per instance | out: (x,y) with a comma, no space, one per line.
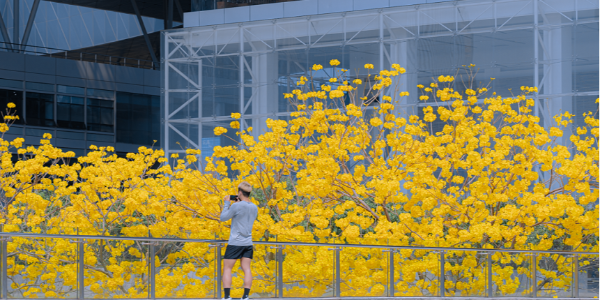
(169,18)
(165,71)
(241,74)
(536,60)
(32,15)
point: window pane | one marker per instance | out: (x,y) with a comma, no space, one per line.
(11,83)
(15,97)
(100,115)
(70,112)
(40,109)
(100,93)
(138,118)
(46,87)
(70,89)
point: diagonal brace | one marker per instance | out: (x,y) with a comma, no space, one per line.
(141,22)
(32,15)
(5,33)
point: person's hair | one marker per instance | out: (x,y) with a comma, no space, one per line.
(245,188)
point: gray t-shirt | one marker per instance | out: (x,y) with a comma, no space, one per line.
(243,215)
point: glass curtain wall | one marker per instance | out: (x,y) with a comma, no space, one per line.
(210,72)
(59,26)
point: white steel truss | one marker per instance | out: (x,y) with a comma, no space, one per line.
(252,50)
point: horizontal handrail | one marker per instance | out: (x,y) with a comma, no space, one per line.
(151,239)
(68,54)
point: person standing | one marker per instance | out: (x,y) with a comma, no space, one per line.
(242,213)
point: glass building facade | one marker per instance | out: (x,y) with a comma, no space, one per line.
(210,71)
(86,115)
(58,27)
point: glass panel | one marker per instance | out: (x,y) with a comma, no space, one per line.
(45,87)
(100,115)
(179,135)
(70,89)
(581,105)
(116,269)
(437,21)
(40,109)
(136,118)
(101,93)
(308,272)
(585,53)
(588,276)
(364,272)
(511,68)
(36,264)
(554,276)
(416,273)
(466,274)
(511,274)
(100,137)
(70,135)
(264,271)
(15,97)
(70,112)
(185,270)
(476,18)
(16,84)
(292,35)
(327,32)
(514,14)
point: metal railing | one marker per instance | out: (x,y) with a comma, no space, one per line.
(491,262)
(79,55)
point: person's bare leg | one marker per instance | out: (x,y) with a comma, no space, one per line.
(227,267)
(245,262)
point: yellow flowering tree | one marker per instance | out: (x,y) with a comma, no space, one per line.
(344,168)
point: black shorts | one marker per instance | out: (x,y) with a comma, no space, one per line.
(237,252)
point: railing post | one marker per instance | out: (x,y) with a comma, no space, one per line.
(4,267)
(218,249)
(534,271)
(392,271)
(338,279)
(575,276)
(280,271)
(152,271)
(490,290)
(442,275)
(80,276)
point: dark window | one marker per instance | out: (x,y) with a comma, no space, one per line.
(40,109)
(16,97)
(138,119)
(69,112)
(100,115)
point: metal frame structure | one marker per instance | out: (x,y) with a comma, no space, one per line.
(250,46)
(18,43)
(80,240)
